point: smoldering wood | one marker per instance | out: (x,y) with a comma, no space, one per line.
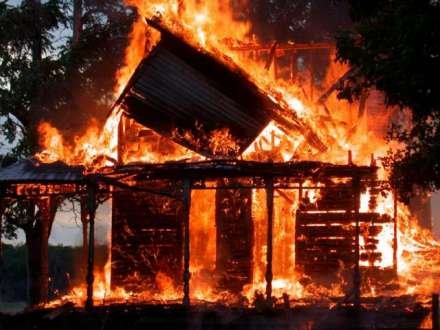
(234,241)
(147,237)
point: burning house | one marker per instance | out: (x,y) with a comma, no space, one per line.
(220,190)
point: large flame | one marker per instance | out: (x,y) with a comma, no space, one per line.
(214,27)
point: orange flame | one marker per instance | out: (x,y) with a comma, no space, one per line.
(212,26)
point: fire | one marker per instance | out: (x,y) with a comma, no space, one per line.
(211,25)
(95,148)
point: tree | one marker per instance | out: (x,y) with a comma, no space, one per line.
(59,68)
(394,47)
(28,68)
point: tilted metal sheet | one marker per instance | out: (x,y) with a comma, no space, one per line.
(177,90)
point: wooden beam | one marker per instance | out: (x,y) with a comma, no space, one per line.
(335,86)
(186,241)
(269,254)
(357,273)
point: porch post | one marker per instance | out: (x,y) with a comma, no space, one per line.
(269,203)
(357,273)
(395,232)
(186,241)
(91,208)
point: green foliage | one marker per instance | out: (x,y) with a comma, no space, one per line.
(72,83)
(20,78)
(394,46)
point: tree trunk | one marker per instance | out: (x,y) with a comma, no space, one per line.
(37,243)
(37,46)
(85,237)
(2,208)
(77,21)
(35,114)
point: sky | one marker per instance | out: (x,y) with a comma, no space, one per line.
(67,231)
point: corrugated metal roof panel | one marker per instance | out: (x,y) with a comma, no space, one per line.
(178,89)
(32,171)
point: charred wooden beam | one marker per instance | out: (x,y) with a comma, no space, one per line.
(357,273)
(269,203)
(186,241)
(342,218)
(338,84)
(236,168)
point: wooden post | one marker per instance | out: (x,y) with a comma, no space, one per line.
(186,242)
(91,208)
(395,232)
(269,202)
(435,312)
(357,273)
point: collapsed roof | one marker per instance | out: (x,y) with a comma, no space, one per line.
(187,95)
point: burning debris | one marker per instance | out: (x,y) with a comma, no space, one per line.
(226,185)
